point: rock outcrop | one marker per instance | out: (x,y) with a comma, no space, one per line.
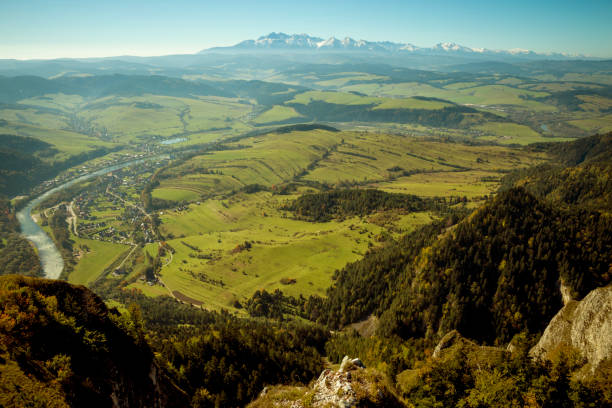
(584,325)
(351,386)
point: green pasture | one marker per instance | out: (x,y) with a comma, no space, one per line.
(460,93)
(410,103)
(339,98)
(342,78)
(373,158)
(342,98)
(175,194)
(34,117)
(60,102)
(277,114)
(162,115)
(510,133)
(598,124)
(92,263)
(268,160)
(473,183)
(68,143)
(281,248)
(595,103)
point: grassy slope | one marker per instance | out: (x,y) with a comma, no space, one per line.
(68,143)
(282,248)
(370,157)
(461,93)
(277,114)
(100,256)
(512,133)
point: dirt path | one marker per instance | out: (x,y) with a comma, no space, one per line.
(127,256)
(159,244)
(72,218)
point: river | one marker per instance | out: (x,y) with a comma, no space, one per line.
(50,257)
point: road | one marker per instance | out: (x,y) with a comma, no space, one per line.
(72,218)
(127,256)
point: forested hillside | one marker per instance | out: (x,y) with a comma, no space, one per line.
(60,346)
(580,177)
(493,275)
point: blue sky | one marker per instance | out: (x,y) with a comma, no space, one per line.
(70,28)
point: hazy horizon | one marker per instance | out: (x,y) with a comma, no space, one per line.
(71,29)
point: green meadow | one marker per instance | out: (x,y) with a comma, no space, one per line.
(511,133)
(461,93)
(98,256)
(303,252)
(277,114)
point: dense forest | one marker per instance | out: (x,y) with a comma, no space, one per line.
(338,204)
(580,174)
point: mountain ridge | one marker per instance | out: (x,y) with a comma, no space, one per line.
(303,42)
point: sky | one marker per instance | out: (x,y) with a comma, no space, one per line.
(84,28)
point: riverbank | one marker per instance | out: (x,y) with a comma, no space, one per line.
(50,257)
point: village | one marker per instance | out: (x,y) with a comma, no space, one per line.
(111,211)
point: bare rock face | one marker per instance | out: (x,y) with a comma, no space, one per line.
(333,388)
(446,342)
(585,325)
(351,386)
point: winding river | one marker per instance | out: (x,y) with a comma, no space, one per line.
(50,257)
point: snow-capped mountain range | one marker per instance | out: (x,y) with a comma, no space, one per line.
(297,42)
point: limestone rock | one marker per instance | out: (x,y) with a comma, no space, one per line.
(585,325)
(351,386)
(349,364)
(447,341)
(333,388)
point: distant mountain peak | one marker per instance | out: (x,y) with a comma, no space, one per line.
(451,46)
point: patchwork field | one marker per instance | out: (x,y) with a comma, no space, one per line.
(235,236)
(471,184)
(153,115)
(600,124)
(66,142)
(461,93)
(344,98)
(221,207)
(212,264)
(373,157)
